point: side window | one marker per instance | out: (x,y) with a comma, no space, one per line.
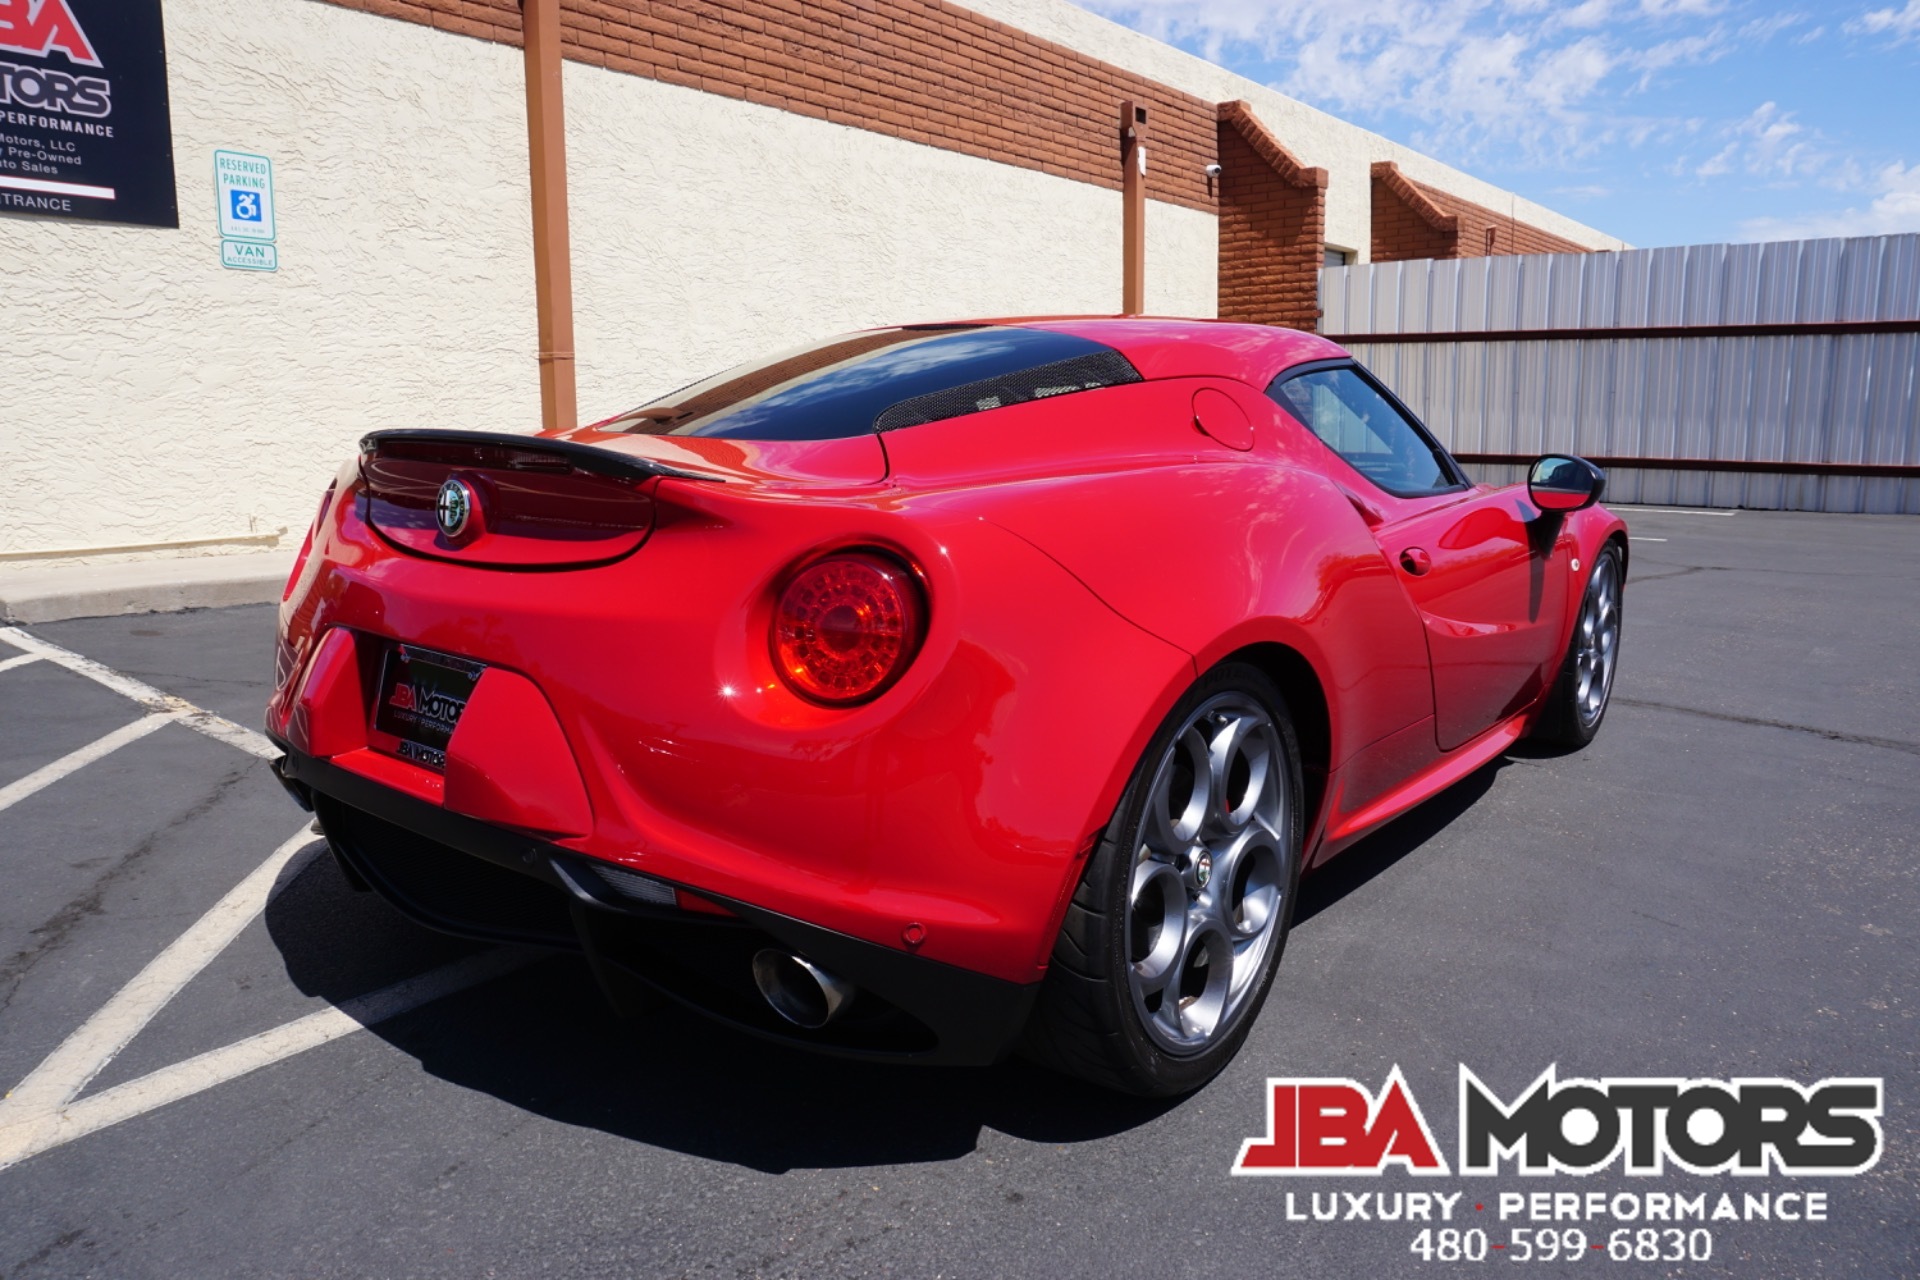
(1362,426)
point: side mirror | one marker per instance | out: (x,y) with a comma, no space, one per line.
(1558,482)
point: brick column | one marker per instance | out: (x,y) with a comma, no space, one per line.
(1272,226)
(1406,222)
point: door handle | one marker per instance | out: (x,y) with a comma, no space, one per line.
(1416,561)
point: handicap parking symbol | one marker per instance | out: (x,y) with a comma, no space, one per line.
(246,205)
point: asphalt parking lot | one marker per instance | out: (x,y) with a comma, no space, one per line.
(1726,884)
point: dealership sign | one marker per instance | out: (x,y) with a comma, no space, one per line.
(1647,1127)
(84,127)
(1640,1125)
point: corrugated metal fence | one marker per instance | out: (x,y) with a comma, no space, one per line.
(1777,376)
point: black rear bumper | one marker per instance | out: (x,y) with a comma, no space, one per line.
(476,880)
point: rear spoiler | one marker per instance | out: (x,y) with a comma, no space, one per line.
(584,457)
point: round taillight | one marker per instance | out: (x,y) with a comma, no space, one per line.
(846,627)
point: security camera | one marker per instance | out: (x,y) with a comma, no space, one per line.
(1213,171)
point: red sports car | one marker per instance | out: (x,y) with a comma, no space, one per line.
(937,691)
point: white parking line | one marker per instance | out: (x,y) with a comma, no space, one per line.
(1678,511)
(196,718)
(45,1110)
(85,1053)
(1637,538)
(46,775)
(196,1075)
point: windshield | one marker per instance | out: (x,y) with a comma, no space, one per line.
(881,381)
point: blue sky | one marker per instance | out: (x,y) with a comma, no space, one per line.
(1660,121)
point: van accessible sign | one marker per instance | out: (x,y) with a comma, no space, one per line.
(84,126)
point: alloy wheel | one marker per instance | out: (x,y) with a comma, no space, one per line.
(1597,642)
(1210,870)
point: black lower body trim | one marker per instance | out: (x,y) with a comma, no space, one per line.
(469,878)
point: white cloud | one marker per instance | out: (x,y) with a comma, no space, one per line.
(1569,85)
(1896,209)
(1763,29)
(1769,144)
(1719,164)
(1902,24)
(1592,13)
(1670,8)
(1774,145)
(1708,46)
(1525,81)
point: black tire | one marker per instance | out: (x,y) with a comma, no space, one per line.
(1572,715)
(1091,1019)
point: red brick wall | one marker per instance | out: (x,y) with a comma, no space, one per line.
(921,70)
(1412,220)
(1272,226)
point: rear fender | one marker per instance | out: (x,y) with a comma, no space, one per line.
(1215,556)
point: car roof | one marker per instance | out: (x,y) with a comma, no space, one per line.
(1175,347)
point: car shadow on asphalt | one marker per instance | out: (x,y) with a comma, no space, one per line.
(542,1039)
(1375,855)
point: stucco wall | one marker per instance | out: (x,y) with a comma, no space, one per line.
(1345,150)
(150,395)
(707,229)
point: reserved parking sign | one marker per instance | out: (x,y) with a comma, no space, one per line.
(244,184)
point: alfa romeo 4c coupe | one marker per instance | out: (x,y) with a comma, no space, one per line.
(936,692)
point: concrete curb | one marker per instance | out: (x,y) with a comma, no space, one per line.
(155,586)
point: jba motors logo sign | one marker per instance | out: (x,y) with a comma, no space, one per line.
(430,703)
(38,27)
(41,28)
(1321,1127)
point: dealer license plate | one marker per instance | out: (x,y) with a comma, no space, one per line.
(422,694)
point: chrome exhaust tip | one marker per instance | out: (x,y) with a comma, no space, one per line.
(799,991)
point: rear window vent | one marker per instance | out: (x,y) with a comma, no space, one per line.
(1063,377)
(881,381)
